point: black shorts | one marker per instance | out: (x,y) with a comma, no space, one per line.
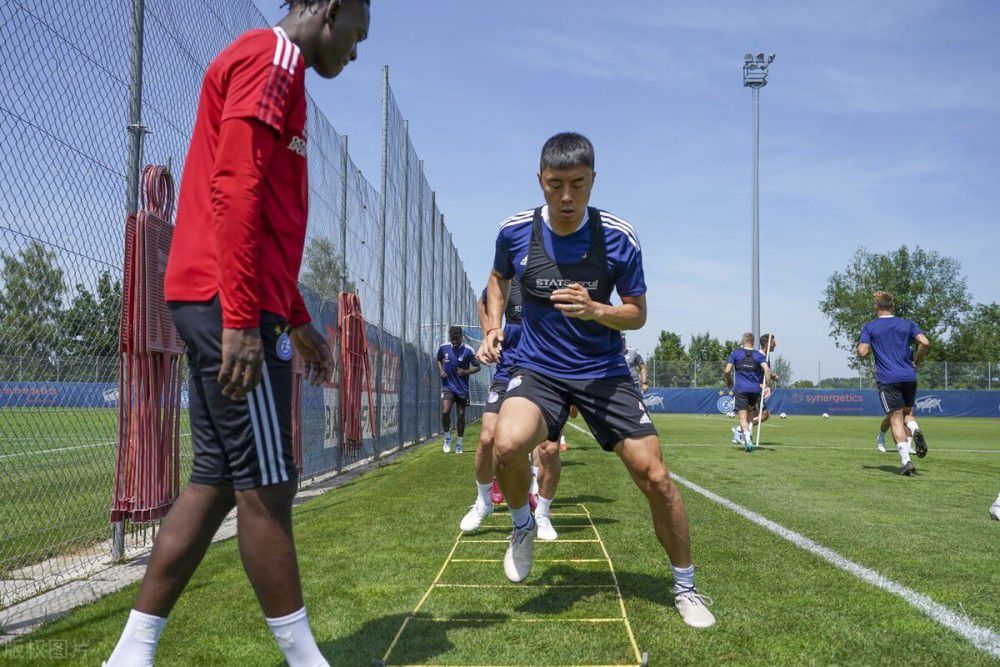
(612,407)
(495,398)
(449,395)
(746,401)
(897,395)
(248,442)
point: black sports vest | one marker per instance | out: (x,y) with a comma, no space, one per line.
(748,364)
(512,314)
(542,275)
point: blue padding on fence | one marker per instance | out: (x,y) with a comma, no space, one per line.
(830,401)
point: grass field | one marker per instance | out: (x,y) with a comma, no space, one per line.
(57,467)
(369,552)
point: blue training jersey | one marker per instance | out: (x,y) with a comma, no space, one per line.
(452,359)
(891,339)
(552,343)
(511,335)
(749,372)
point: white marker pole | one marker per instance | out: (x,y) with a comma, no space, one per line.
(767,382)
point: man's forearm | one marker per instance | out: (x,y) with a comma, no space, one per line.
(624,317)
(496,297)
(922,351)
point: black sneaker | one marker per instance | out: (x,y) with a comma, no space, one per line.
(908,469)
(920,443)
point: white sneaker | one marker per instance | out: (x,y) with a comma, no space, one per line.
(517,560)
(880,442)
(476,515)
(458,448)
(737,435)
(546,531)
(693,608)
(447,444)
(995,511)
(913,450)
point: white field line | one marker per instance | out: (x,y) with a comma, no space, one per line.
(981,637)
(727,445)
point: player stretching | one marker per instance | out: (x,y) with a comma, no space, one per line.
(758,414)
(231,283)
(569,258)
(456,362)
(544,458)
(750,387)
(889,338)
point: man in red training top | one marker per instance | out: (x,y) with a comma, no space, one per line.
(231,283)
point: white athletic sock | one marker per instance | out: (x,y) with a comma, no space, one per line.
(138,641)
(562,438)
(909,443)
(296,640)
(912,425)
(521,516)
(544,506)
(484,492)
(904,452)
(459,441)
(534,480)
(683,578)
(997,502)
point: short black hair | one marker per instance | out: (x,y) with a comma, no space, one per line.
(454,330)
(765,339)
(567,150)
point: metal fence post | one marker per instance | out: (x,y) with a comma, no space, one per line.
(946,375)
(417,427)
(400,413)
(435,287)
(135,131)
(381,281)
(345,166)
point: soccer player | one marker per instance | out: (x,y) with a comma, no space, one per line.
(456,362)
(569,257)
(883,429)
(889,338)
(750,385)
(546,465)
(768,343)
(636,366)
(995,509)
(231,283)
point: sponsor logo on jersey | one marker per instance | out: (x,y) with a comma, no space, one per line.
(492,397)
(564,282)
(524,261)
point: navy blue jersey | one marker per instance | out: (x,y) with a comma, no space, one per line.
(551,342)
(749,372)
(891,338)
(452,359)
(511,331)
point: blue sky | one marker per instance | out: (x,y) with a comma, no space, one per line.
(879,127)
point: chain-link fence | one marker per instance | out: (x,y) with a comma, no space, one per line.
(97,89)
(936,375)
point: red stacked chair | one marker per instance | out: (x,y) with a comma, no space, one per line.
(355,373)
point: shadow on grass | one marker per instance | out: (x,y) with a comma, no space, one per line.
(422,641)
(894,470)
(576,500)
(656,590)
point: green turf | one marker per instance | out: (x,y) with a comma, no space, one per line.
(57,468)
(369,551)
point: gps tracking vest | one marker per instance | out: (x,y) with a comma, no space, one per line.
(512,314)
(543,275)
(748,364)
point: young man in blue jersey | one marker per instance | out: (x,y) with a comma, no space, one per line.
(759,413)
(569,257)
(890,339)
(456,362)
(750,385)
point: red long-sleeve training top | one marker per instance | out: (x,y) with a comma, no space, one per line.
(241,215)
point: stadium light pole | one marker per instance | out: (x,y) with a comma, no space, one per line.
(755,78)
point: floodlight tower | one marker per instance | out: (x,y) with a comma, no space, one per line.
(755,78)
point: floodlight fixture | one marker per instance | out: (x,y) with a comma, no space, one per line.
(748,57)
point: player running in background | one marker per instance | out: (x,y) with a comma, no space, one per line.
(768,343)
(569,259)
(231,283)
(890,339)
(546,466)
(636,366)
(750,385)
(456,362)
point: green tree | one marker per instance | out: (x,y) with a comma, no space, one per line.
(783,369)
(90,327)
(30,309)
(977,336)
(928,286)
(323,271)
(668,365)
(708,355)
(804,384)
